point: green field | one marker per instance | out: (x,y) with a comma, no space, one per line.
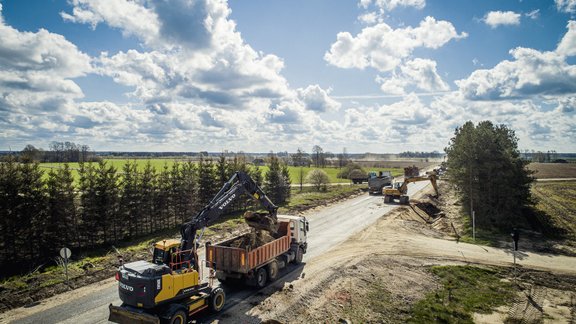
(159,164)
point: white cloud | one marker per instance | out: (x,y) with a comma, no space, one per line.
(568,6)
(534,14)
(316,99)
(567,46)
(129,16)
(368,18)
(203,62)
(383,48)
(500,18)
(389,5)
(36,71)
(420,73)
(530,73)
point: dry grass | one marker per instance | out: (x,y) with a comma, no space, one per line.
(558,201)
(553,170)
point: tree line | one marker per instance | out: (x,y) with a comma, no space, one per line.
(58,152)
(41,213)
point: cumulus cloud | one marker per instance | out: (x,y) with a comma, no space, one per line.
(530,73)
(567,46)
(316,99)
(383,48)
(568,6)
(500,18)
(37,70)
(193,53)
(420,73)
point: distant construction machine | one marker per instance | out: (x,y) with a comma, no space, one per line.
(400,189)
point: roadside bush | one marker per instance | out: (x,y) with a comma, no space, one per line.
(348,169)
(318,178)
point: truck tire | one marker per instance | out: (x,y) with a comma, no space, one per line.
(299,256)
(177,316)
(403,200)
(261,277)
(272,271)
(217,299)
(387,199)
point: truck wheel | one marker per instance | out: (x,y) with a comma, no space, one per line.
(272,271)
(217,299)
(403,200)
(178,316)
(261,277)
(387,199)
(299,256)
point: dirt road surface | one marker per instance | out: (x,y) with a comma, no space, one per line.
(360,238)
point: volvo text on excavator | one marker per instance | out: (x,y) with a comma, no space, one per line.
(170,289)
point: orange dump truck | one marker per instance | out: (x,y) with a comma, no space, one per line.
(260,265)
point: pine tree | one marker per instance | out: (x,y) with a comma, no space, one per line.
(287,182)
(485,163)
(223,172)
(190,190)
(9,199)
(130,200)
(61,222)
(107,202)
(31,211)
(274,182)
(162,202)
(88,217)
(208,185)
(148,192)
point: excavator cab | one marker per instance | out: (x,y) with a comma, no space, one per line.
(164,250)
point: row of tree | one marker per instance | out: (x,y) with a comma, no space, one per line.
(58,152)
(40,213)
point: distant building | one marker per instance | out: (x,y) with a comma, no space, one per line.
(258,162)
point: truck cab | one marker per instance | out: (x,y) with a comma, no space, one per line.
(299,228)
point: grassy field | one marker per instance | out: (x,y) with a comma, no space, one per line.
(558,201)
(159,164)
(553,170)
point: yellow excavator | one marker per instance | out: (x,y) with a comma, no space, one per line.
(399,189)
(170,289)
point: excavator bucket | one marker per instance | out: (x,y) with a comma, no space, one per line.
(261,221)
(124,315)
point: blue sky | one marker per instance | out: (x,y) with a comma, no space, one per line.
(260,75)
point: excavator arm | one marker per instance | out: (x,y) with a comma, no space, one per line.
(238,184)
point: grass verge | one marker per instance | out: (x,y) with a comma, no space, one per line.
(462,291)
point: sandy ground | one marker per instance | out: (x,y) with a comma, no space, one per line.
(393,254)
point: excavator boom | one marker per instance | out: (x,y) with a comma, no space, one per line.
(400,192)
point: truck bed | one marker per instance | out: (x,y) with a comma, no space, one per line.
(232,259)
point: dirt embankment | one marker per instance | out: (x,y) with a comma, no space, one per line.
(379,274)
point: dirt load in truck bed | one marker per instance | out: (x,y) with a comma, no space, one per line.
(250,240)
